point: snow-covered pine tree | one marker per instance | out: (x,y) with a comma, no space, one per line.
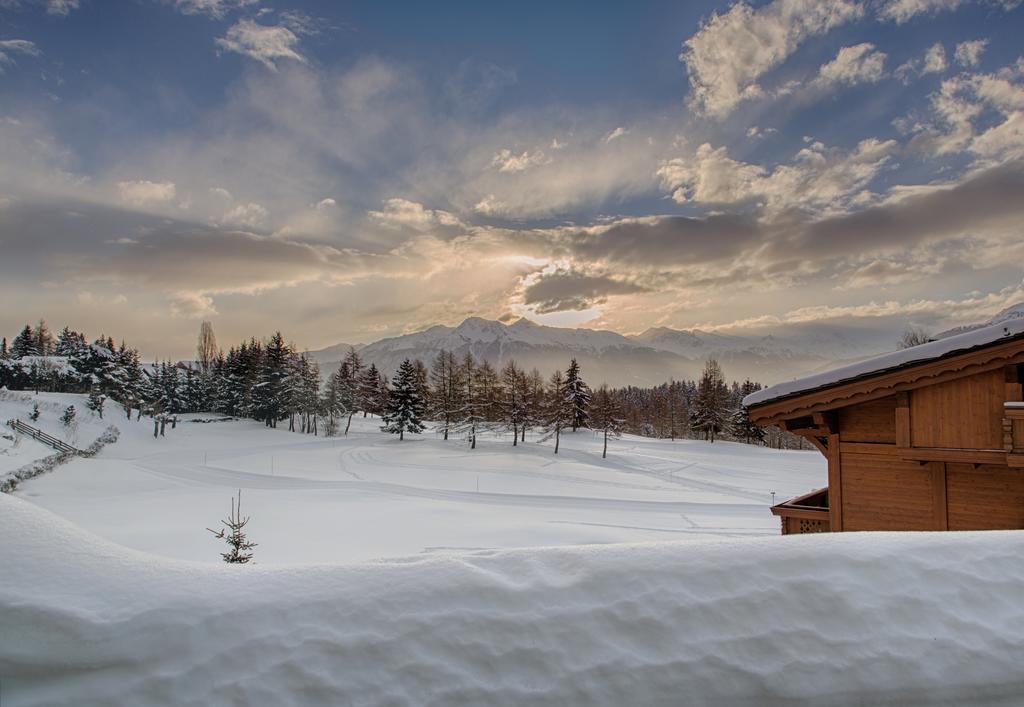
(269,392)
(577,395)
(34,415)
(405,406)
(446,395)
(742,427)
(710,413)
(96,400)
(513,399)
(68,418)
(24,344)
(606,416)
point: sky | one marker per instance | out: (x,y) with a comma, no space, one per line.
(345,171)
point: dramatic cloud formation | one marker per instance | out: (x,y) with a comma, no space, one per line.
(733,50)
(351,183)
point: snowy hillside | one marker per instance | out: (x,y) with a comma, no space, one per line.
(1011,313)
(368,495)
(852,619)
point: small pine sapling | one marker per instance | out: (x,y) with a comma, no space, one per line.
(34,416)
(68,418)
(233,533)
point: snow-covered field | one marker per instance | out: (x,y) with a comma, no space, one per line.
(366,496)
(384,576)
(851,619)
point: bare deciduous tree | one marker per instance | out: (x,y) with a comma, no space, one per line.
(206,350)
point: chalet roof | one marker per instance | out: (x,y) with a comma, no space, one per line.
(905,358)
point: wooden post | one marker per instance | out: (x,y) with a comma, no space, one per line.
(940,509)
(835,483)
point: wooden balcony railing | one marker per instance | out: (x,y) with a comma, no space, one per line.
(804,514)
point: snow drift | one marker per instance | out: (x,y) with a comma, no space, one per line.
(839,619)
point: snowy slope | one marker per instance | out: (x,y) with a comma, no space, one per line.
(846,619)
(368,495)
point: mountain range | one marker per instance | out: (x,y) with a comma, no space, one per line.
(650,358)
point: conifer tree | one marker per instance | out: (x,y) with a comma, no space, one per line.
(369,391)
(710,415)
(558,413)
(269,391)
(577,396)
(24,344)
(607,416)
(742,426)
(233,532)
(471,415)
(95,401)
(513,401)
(68,418)
(446,391)
(405,406)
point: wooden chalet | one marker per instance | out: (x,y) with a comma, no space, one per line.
(928,438)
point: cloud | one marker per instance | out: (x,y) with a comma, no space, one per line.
(860,63)
(216,9)
(506,161)
(249,215)
(192,305)
(142,192)
(401,213)
(968,54)
(900,11)
(57,8)
(819,177)
(564,289)
(8,47)
(964,100)
(616,134)
(728,55)
(267,44)
(933,62)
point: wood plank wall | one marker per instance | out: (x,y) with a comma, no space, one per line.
(960,414)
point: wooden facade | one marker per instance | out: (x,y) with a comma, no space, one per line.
(932,445)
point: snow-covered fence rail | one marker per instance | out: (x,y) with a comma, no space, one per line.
(40,436)
(10,481)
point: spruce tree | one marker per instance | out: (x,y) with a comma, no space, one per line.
(577,396)
(405,406)
(742,427)
(24,344)
(240,551)
(710,414)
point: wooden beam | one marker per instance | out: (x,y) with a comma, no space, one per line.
(835,483)
(964,456)
(903,419)
(940,509)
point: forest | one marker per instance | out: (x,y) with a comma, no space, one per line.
(272,381)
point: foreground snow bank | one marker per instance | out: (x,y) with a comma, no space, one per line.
(854,619)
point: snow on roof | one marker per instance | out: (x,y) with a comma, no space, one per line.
(977,338)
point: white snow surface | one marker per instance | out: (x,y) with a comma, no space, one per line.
(915,354)
(368,495)
(845,619)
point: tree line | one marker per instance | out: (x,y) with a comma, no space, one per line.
(272,381)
